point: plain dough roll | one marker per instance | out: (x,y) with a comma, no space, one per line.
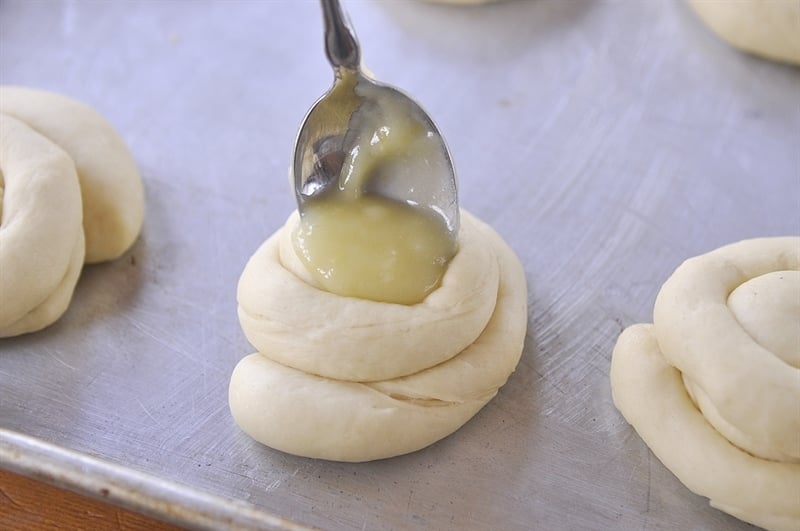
(69,193)
(749,394)
(352,420)
(112,192)
(713,386)
(651,395)
(769,28)
(41,239)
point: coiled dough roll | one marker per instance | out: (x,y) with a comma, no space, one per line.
(713,386)
(70,194)
(41,240)
(407,376)
(278,302)
(111,189)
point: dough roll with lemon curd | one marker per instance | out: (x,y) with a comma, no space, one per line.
(70,194)
(713,386)
(349,379)
(383,316)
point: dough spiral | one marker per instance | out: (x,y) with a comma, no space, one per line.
(70,194)
(111,189)
(41,241)
(353,380)
(713,386)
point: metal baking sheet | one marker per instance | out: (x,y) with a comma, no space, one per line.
(606,141)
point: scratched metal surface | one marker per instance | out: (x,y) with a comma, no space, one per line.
(606,141)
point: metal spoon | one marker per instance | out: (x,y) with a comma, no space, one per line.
(349,119)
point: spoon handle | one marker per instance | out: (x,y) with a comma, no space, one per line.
(341,45)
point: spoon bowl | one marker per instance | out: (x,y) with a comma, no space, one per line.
(365,137)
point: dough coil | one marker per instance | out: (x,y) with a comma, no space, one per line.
(354,380)
(713,386)
(70,194)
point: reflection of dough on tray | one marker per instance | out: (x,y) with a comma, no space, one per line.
(70,193)
(465,339)
(713,386)
(769,28)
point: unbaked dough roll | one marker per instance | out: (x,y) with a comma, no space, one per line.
(113,197)
(651,395)
(279,303)
(749,393)
(69,193)
(351,419)
(713,386)
(41,239)
(769,28)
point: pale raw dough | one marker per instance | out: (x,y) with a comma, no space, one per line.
(277,296)
(113,196)
(70,193)
(480,311)
(41,240)
(769,28)
(713,386)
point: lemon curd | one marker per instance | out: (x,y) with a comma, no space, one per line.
(374,248)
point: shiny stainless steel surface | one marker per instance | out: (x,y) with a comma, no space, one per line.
(623,138)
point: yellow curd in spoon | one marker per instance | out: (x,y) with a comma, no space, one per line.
(374,248)
(368,246)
